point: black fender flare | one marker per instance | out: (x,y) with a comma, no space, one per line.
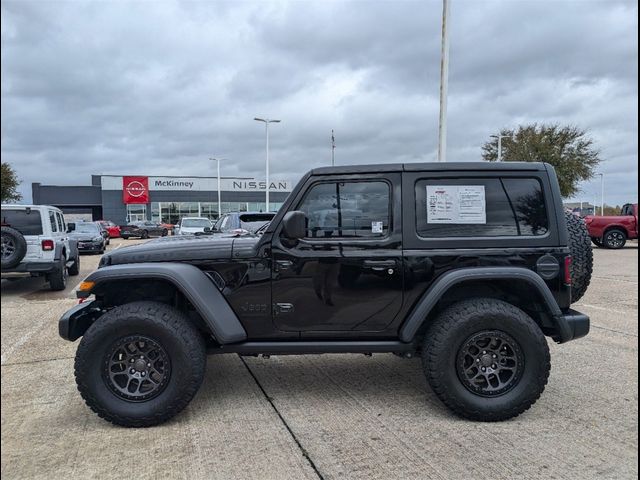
(448,280)
(192,282)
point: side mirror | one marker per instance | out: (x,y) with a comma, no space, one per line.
(294,225)
(71,227)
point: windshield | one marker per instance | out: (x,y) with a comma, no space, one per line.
(196,222)
(87,228)
(253,222)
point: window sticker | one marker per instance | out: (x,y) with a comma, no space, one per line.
(456,204)
(377,227)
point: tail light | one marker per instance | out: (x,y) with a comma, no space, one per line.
(47,245)
(567,269)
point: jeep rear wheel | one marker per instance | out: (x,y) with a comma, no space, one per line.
(58,278)
(140,364)
(14,247)
(486,359)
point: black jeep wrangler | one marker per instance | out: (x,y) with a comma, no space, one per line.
(466,265)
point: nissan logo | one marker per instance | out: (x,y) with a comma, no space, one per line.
(135,189)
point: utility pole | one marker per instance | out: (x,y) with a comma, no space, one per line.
(444,84)
(267,121)
(217,160)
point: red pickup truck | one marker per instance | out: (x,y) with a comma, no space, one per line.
(613,231)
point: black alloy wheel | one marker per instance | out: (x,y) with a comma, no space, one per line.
(490,363)
(614,239)
(137,368)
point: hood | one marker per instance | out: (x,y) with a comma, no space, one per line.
(191,229)
(175,249)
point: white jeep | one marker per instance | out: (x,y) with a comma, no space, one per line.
(35,242)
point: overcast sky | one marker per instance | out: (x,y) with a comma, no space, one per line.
(156,88)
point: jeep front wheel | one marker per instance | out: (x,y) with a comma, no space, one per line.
(486,359)
(140,364)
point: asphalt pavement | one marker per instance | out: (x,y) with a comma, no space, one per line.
(326,416)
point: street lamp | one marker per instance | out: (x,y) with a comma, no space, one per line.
(217,160)
(500,137)
(601,193)
(267,121)
(444,84)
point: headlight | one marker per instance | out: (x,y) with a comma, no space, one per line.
(97,239)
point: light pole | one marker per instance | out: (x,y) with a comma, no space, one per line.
(267,121)
(500,137)
(217,160)
(601,193)
(444,84)
(333,149)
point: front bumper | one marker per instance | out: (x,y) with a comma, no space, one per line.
(572,325)
(77,320)
(89,247)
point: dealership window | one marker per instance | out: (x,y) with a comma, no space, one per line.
(136,213)
(489,207)
(172,212)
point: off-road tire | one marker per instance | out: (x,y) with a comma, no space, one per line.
(582,256)
(58,278)
(14,247)
(75,268)
(614,239)
(163,324)
(448,334)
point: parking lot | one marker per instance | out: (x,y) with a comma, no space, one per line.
(326,416)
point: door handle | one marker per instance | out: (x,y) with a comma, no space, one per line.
(379,264)
(283,264)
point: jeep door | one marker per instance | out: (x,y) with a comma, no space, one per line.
(346,274)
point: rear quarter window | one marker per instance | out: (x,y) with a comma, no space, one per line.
(480,207)
(27,222)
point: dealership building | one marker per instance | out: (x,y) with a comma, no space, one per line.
(125,198)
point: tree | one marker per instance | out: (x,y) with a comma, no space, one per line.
(568,149)
(10,184)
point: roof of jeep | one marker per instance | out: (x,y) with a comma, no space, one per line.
(433,166)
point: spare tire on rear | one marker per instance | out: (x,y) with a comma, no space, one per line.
(582,255)
(14,247)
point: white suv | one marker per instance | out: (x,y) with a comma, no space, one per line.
(35,242)
(191,225)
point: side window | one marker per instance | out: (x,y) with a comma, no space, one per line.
(61,226)
(528,204)
(347,210)
(224,226)
(473,207)
(53,221)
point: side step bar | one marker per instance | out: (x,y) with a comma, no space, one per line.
(297,348)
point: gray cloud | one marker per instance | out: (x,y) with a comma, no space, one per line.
(157,88)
